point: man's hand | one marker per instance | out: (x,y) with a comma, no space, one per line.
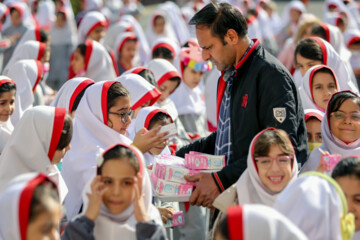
(206,190)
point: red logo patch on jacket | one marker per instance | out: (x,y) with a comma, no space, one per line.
(244,100)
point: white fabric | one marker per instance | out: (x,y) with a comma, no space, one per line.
(331,144)
(28,147)
(69,29)
(10,207)
(188,100)
(312,204)
(211,80)
(337,41)
(138,88)
(3,10)
(93,5)
(24,73)
(89,20)
(296,5)
(29,35)
(250,189)
(173,43)
(160,67)
(26,17)
(90,135)
(263,222)
(305,89)
(113,32)
(63,96)
(144,49)
(28,50)
(352,24)
(45,14)
(6,128)
(100,66)
(119,41)
(355,54)
(110,226)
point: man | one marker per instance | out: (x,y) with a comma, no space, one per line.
(255,91)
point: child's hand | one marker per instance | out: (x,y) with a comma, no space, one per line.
(166,213)
(139,204)
(144,140)
(322,166)
(95,198)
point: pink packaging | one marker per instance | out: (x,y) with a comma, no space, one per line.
(204,161)
(177,173)
(330,160)
(173,189)
(177,220)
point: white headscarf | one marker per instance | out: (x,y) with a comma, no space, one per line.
(250,189)
(93,5)
(26,74)
(163,70)
(6,128)
(253,221)
(305,89)
(32,146)
(67,94)
(331,144)
(4,11)
(152,36)
(188,100)
(15,205)
(170,44)
(111,226)
(98,63)
(69,29)
(91,133)
(113,32)
(144,49)
(313,204)
(332,59)
(119,43)
(90,21)
(350,37)
(32,34)
(340,7)
(28,50)
(45,14)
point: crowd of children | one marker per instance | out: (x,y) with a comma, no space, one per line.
(94,103)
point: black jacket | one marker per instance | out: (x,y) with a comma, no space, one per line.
(262,92)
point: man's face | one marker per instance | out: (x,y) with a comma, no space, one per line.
(213,49)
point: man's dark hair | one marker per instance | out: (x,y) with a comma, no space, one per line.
(220,18)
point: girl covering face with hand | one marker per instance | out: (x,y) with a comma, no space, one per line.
(117,202)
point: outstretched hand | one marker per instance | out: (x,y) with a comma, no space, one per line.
(145,140)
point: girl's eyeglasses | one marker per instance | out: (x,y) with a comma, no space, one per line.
(340,116)
(266,162)
(124,116)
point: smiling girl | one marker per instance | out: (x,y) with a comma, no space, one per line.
(7,106)
(340,129)
(117,202)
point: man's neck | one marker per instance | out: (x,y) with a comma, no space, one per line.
(241,49)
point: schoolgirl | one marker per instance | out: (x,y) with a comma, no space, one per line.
(117,202)
(159,27)
(316,204)
(244,221)
(126,51)
(317,86)
(31,209)
(39,142)
(166,48)
(7,105)
(101,120)
(352,40)
(92,26)
(90,59)
(70,94)
(313,118)
(27,75)
(315,51)
(340,129)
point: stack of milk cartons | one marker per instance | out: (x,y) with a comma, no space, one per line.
(169,171)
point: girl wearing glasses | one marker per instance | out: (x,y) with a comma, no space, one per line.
(271,166)
(102,118)
(340,129)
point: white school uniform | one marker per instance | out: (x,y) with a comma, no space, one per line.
(110,226)
(331,144)
(305,90)
(28,50)
(255,221)
(26,74)
(45,14)
(91,133)
(98,63)
(32,146)
(249,187)
(314,206)
(6,128)
(332,59)
(67,94)
(90,21)
(15,205)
